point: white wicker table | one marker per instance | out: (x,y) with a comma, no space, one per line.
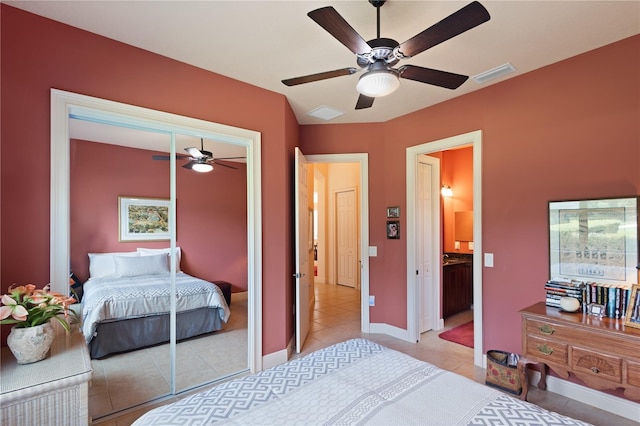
(53,391)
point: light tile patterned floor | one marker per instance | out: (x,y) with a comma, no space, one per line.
(337,317)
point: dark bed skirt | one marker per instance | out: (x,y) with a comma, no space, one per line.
(136,333)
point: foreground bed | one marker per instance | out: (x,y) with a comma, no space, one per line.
(126,313)
(354,382)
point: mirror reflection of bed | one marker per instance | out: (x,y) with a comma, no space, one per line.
(131,362)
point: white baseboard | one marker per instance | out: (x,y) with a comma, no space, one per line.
(603,401)
(275,358)
(389,330)
(279,357)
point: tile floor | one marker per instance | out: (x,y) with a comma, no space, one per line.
(337,317)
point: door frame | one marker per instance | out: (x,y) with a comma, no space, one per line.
(363,198)
(473,139)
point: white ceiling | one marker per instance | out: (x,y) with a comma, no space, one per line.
(263,42)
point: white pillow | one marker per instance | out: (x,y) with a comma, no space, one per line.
(134,266)
(102,265)
(151,252)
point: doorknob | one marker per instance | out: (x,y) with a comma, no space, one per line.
(299,275)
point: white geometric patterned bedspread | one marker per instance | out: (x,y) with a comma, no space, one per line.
(111,299)
(353,382)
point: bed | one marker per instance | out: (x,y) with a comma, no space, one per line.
(353,382)
(126,303)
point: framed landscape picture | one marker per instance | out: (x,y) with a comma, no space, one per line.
(143,219)
(594,240)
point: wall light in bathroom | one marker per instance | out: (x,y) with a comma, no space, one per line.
(447,191)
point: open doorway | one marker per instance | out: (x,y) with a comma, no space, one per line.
(342,179)
(434,247)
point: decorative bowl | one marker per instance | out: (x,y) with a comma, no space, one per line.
(569,304)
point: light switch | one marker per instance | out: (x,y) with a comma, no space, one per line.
(373,251)
(456,245)
(488,260)
(470,245)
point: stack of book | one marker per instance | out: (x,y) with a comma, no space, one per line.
(615,298)
(557,288)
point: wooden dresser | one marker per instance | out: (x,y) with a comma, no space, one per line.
(53,391)
(601,352)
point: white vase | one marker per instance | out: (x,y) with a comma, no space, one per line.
(30,344)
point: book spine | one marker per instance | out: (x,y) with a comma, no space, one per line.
(611,302)
(562,292)
(625,301)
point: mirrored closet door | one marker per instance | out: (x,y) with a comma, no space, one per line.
(141,220)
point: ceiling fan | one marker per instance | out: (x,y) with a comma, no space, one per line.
(378,56)
(199,159)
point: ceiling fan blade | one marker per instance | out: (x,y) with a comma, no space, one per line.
(189,165)
(194,152)
(219,163)
(458,22)
(319,76)
(329,19)
(364,102)
(444,79)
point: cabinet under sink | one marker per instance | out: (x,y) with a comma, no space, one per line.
(457,283)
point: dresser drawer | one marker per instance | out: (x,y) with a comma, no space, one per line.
(597,364)
(548,329)
(547,350)
(633,373)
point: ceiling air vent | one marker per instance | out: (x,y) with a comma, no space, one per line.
(494,73)
(325,113)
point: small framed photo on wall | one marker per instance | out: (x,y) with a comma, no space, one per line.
(393,211)
(393,230)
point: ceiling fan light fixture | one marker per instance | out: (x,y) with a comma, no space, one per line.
(378,83)
(202,167)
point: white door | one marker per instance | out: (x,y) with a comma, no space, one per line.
(346,238)
(424,240)
(302,249)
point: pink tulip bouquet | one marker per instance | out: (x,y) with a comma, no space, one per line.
(27,306)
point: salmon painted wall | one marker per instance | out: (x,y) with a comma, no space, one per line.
(39,54)
(561,132)
(211,210)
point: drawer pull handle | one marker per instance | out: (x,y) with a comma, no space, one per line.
(545,349)
(595,370)
(546,329)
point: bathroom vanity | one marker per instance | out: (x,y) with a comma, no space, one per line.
(457,285)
